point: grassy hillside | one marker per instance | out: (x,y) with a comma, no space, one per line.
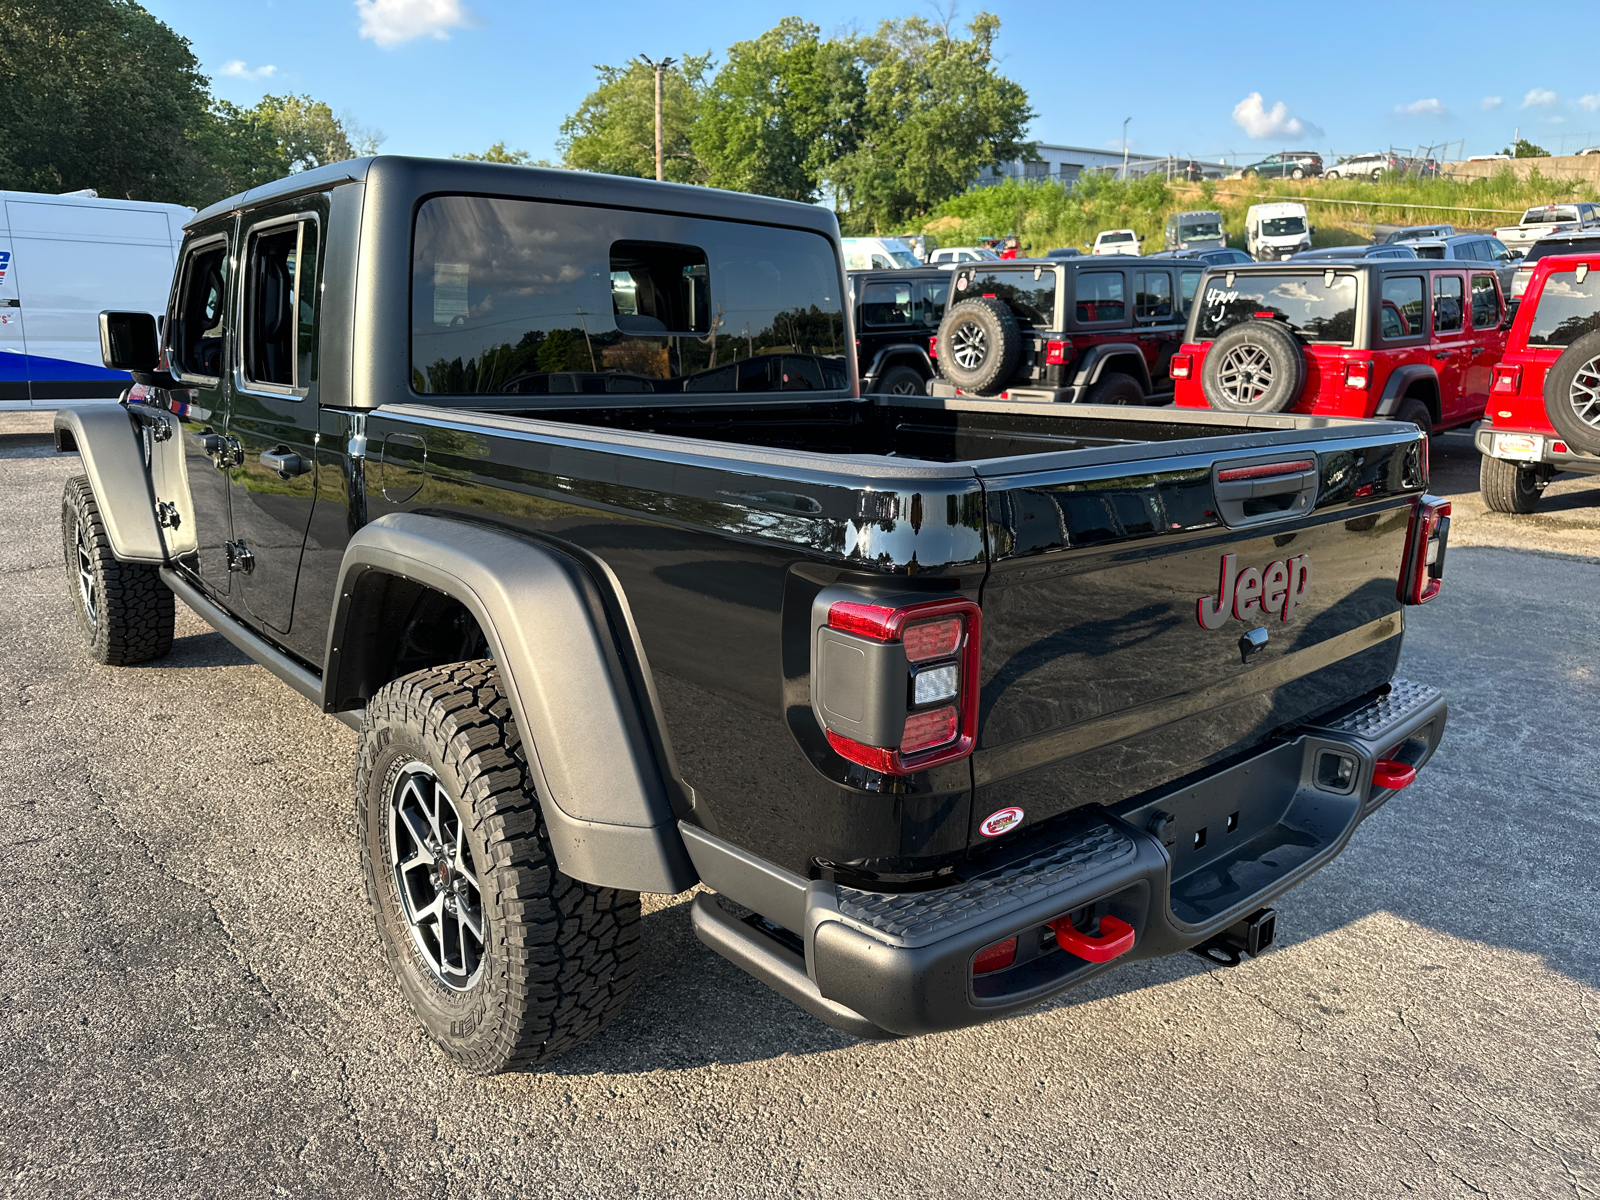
(1047,215)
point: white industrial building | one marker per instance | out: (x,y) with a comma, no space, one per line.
(1065,163)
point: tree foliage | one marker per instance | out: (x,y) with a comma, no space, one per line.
(498,153)
(100,94)
(1526,149)
(614,129)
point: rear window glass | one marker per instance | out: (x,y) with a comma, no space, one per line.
(1549,216)
(1544,246)
(1403,314)
(1320,307)
(1568,309)
(527,296)
(1100,297)
(1032,300)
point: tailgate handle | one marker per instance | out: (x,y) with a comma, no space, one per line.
(1257,491)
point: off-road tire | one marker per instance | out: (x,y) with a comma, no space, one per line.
(125,611)
(1572,394)
(558,956)
(989,329)
(902,381)
(1278,361)
(1508,487)
(1417,413)
(1115,388)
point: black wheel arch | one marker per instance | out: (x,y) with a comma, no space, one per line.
(900,354)
(1123,357)
(583,700)
(1411,382)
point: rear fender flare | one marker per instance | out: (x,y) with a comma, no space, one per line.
(601,786)
(891,356)
(1113,356)
(112,449)
(1399,383)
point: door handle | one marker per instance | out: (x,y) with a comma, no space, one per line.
(1443,353)
(285,462)
(224,451)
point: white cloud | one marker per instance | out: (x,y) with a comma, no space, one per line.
(1590,103)
(1490,103)
(390,22)
(236,69)
(1417,108)
(1258,121)
(1539,98)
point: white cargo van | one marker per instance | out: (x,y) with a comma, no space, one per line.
(877,254)
(62,260)
(1275,231)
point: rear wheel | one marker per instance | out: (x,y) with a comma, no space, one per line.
(125,611)
(1297,173)
(1417,413)
(1377,176)
(1508,487)
(1115,388)
(1572,394)
(903,381)
(506,961)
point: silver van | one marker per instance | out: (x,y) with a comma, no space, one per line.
(1194,231)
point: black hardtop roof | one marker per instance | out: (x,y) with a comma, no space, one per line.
(1289,266)
(415,178)
(900,273)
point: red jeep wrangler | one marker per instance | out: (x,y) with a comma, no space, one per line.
(1397,338)
(1546,391)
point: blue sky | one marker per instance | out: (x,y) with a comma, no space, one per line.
(440,76)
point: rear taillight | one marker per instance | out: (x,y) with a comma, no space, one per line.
(1358,375)
(1055,353)
(931,715)
(1422,571)
(933,346)
(1507,380)
(1182,366)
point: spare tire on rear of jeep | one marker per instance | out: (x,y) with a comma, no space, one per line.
(980,344)
(1256,366)
(1572,394)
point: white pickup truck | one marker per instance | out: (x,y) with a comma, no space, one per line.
(1548,218)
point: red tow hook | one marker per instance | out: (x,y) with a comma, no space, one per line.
(1391,774)
(1116,938)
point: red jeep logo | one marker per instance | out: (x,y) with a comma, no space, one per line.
(1277,589)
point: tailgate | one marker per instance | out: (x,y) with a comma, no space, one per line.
(1113,663)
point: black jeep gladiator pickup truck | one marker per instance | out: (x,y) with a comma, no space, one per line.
(560,489)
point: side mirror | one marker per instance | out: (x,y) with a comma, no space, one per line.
(129,342)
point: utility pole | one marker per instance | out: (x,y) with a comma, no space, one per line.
(659,68)
(1125,147)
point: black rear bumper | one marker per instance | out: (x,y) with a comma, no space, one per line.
(1179,868)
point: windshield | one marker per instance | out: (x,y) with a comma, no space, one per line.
(985,252)
(1200,231)
(1283,226)
(1429,251)
(528,296)
(902,255)
(1320,307)
(1549,216)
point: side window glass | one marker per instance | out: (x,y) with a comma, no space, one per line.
(1152,295)
(198,333)
(931,299)
(1100,297)
(1403,306)
(1485,302)
(880,263)
(1188,281)
(886,304)
(280,305)
(1448,309)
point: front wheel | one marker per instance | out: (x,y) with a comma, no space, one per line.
(1507,487)
(506,961)
(1297,173)
(124,610)
(1377,176)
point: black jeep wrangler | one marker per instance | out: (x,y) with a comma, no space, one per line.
(1096,330)
(897,316)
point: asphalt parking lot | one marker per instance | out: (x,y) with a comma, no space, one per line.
(194,1004)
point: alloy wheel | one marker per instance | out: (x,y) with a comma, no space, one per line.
(1584,395)
(86,577)
(905,389)
(968,345)
(437,879)
(1245,374)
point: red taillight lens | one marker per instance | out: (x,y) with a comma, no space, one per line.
(995,958)
(1559,447)
(1507,380)
(942,639)
(1182,366)
(1358,375)
(933,346)
(1055,353)
(1265,316)
(1422,574)
(931,639)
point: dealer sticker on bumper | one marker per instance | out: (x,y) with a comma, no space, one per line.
(1529,446)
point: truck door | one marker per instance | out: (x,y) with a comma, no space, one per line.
(1155,312)
(13,346)
(1452,344)
(273,418)
(197,352)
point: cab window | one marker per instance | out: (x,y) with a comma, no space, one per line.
(886,304)
(1403,313)
(1448,307)
(1152,295)
(279,305)
(1485,302)
(1188,281)
(199,331)
(1100,297)
(932,295)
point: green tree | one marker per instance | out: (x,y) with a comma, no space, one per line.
(280,135)
(498,153)
(98,93)
(1526,149)
(936,110)
(614,129)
